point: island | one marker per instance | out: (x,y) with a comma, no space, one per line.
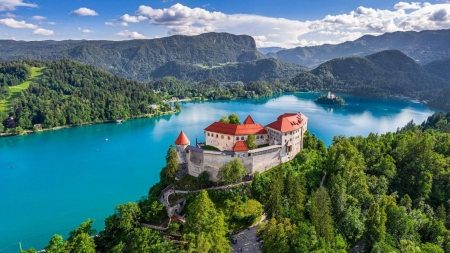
(330,99)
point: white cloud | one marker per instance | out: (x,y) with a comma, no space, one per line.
(132,19)
(12,23)
(269,31)
(129,34)
(9,5)
(84,30)
(38,18)
(9,15)
(51,23)
(41,31)
(84,12)
(406,6)
(117,23)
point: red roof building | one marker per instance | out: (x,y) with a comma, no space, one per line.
(240,146)
(182,139)
(233,129)
(249,120)
(288,122)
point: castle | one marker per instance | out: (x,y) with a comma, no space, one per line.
(278,142)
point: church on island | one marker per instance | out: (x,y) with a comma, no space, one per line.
(278,142)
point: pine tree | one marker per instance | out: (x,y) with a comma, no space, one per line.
(375,226)
(320,213)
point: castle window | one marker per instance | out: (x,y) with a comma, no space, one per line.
(237,138)
(289,148)
(208,134)
(229,138)
(242,138)
(222,136)
(217,136)
(249,154)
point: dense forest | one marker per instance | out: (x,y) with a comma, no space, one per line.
(71,93)
(392,191)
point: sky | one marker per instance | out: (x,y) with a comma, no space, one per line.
(280,23)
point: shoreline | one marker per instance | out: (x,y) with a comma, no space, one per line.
(26,132)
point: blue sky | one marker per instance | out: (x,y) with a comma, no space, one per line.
(283,23)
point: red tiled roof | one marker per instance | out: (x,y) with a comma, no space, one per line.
(240,146)
(233,129)
(288,122)
(182,139)
(249,120)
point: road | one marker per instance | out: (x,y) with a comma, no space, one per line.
(246,241)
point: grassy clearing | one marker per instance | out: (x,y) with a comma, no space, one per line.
(219,65)
(14,91)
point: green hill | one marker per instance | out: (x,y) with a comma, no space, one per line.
(137,59)
(72,93)
(440,68)
(382,74)
(264,69)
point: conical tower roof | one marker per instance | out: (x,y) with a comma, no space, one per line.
(182,139)
(249,120)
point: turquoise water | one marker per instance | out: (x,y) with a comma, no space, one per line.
(51,182)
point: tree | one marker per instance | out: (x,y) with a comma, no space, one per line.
(375,226)
(232,172)
(2,128)
(204,180)
(234,119)
(320,213)
(79,240)
(206,226)
(295,191)
(251,142)
(224,119)
(143,239)
(273,206)
(171,163)
(56,245)
(275,237)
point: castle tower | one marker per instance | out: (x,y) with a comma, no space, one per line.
(181,144)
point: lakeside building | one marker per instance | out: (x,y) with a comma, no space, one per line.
(278,142)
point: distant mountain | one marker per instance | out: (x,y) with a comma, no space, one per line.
(382,74)
(264,69)
(137,59)
(266,50)
(440,68)
(424,47)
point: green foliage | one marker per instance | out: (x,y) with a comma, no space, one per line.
(251,142)
(171,170)
(375,226)
(206,225)
(224,119)
(209,147)
(70,93)
(56,245)
(204,180)
(320,213)
(80,240)
(234,119)
(232,172)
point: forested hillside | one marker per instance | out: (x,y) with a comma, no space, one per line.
(382,74)
(264,69)
(71,93)
(440,68)
(392,191)
(137,59)
(423,47)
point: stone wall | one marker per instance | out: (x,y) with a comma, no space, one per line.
(261,159)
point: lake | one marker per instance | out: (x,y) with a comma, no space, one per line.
(52,181)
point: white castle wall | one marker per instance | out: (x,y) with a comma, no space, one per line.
(226,141)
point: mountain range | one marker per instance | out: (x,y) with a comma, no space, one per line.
(424,47)
(138,59)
